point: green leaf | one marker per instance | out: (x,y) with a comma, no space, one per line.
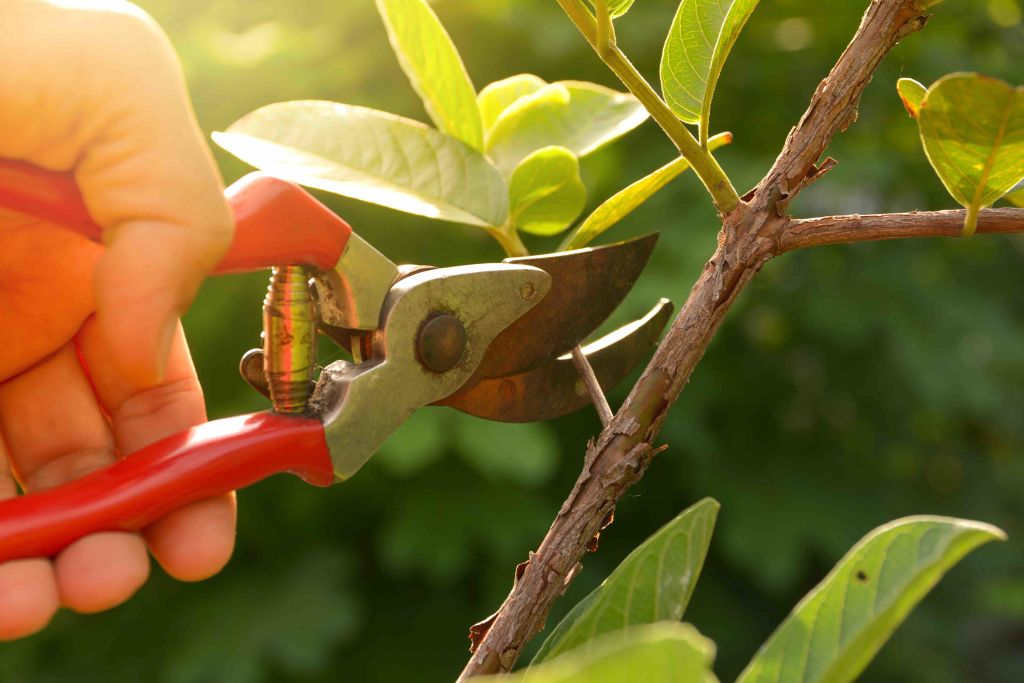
(911,94)
(698,43)
(1016,195)
(373,156)
(496,97)
(665,652)
(972,129)
(526,454)
(430,61)
(545,192)
(838,627)
(616,8)
(654,583)
(621,204)
(579,116)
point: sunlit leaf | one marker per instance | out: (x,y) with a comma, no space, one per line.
(526,454)
(430,60)
(702,35)
(838,627)
(665,652)
(496,97)
(911,94)
(545,192)
(1016,195)
(372,156)
(621,204)
(616,8)
(654,583)
(972,129)
(578,116)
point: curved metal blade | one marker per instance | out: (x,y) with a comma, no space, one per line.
(556,388)
(586,286)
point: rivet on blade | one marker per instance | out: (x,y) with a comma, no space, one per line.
(441,342)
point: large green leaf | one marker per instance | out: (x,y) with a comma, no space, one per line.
(836,630)
(698,43)
(972,129)
(496,97)
(372,156)
(665,652)
(654,583)
(430,60)
(546,193)
(911,94)
(578,116)
(622,203)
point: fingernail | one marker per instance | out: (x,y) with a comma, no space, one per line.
(163,349)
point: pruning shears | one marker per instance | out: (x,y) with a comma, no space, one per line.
(491,340)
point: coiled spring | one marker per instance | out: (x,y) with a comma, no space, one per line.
(289,339)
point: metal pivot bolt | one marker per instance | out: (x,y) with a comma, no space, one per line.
(289,338)
(441,342)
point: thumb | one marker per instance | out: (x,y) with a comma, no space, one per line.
(148,177)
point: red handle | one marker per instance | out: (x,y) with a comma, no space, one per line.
(201,462)
(277,223)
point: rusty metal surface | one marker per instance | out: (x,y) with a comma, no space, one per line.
(556,388)
(586,286)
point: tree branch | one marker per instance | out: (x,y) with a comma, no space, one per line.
(751,234)
(816,232)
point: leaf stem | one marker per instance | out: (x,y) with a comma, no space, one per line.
(971,220)
(605,28)
(704,164)
(508,237)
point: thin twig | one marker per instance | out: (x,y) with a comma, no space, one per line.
(750,236)
(816,232)
(704,163)
(604,411)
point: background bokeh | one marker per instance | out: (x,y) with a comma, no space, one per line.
(849,386)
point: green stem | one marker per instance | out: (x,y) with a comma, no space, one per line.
(703,163)
(971,220)
(508,237)
(605,27)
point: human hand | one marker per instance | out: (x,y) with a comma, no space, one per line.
(93,363)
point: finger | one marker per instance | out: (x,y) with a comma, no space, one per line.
(106,98)
(42,307)
(193,542)
(150,179)
(55,432)
(8,487)
(28,592)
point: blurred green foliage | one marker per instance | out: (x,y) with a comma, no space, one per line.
(848,387)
